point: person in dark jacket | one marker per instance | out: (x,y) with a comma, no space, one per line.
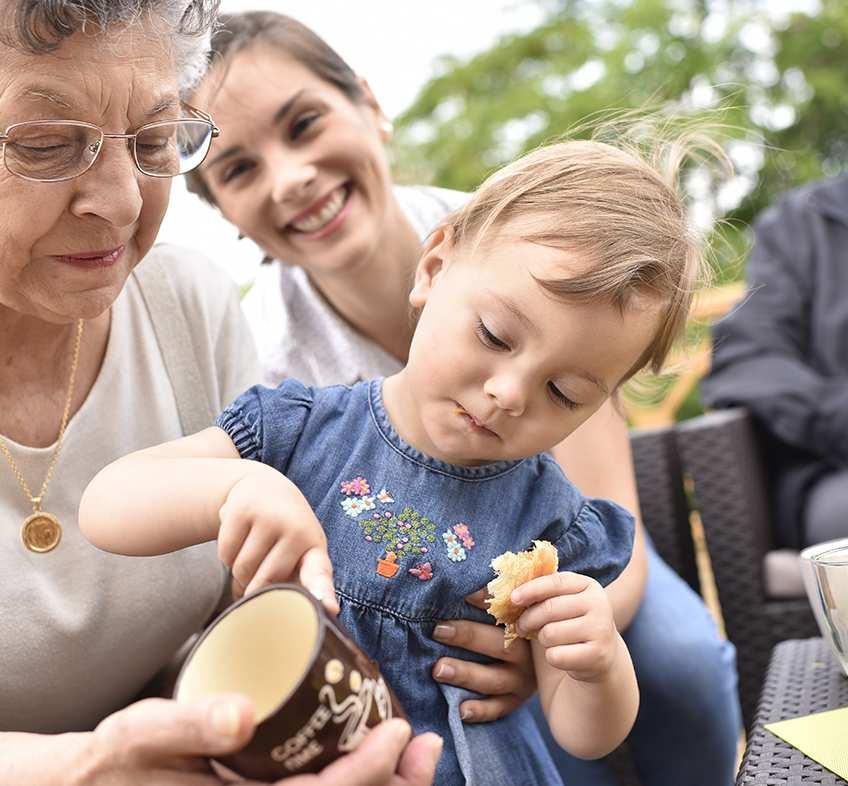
(783,355)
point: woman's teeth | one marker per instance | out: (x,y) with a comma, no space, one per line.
(331,208)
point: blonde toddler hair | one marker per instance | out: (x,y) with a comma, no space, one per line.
(617,207)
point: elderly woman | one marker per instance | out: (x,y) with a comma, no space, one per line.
(304,173)
(101,355)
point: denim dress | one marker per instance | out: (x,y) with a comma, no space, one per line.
(410,536)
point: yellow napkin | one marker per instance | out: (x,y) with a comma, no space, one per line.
(822,737)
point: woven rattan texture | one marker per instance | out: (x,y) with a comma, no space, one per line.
(662,501)
(719,451)
(803,677)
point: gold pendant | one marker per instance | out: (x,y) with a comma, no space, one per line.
(41,532)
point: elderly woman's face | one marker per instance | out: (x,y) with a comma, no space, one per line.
(300,167)
(67,248)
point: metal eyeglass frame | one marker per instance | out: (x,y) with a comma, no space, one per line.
(199,115)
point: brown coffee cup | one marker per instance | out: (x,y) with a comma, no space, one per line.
(315,692)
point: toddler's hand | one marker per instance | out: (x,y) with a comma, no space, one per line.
(269,533)
(572,618)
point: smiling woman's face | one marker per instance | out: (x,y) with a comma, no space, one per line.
(300,168)
(67,248)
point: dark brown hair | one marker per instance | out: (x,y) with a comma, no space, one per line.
(236,32)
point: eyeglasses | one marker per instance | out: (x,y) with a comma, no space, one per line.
(50,151)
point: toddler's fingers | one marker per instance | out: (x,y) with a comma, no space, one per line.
(573,657)
(250,556)
(277,565)
(573,631)
(538,589)
(316,574)
(232,533)
(559,607)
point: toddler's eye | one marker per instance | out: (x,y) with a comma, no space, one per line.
(561,398)
(488,338)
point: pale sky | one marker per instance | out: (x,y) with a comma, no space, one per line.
(394,45)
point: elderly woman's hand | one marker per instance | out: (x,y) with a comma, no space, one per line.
(506,684)
(157,742)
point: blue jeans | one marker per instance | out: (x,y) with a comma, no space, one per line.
(689,718)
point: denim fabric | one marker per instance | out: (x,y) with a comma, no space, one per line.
(375,494)
(689,717)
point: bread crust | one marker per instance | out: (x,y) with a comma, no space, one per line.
(512,571)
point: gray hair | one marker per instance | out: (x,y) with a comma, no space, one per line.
(39,26)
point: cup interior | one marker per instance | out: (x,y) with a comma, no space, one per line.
(261,648)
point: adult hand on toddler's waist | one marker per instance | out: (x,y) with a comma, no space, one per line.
(507,683)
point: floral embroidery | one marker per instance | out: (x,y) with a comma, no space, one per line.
(424,571)
(458,542)
(358,486)
(403,535)
(464,535)
(353,506)
(385,497)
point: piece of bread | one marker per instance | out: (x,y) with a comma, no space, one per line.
(512,571)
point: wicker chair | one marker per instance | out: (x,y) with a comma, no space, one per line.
(720,453)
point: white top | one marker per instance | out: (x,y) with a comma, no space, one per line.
(82,631)
(300,335)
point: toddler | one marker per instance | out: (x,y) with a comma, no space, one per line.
(567,271)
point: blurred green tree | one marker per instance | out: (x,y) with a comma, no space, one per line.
(779,76)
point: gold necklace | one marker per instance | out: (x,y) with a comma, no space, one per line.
(41,532)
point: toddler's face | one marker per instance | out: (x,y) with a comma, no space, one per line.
(499,368)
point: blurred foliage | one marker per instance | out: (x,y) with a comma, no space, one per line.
(775,77)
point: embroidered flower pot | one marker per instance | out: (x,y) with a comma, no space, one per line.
(315,692)
(388,566)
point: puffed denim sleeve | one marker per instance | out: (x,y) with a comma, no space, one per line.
(599,542)
(265,424)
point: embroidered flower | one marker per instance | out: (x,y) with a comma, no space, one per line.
(353,506)
(358,486)
(424,571)
(464,535)
(385,497)
(450,539)
(456,553)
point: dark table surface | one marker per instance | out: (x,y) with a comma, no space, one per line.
(803,678)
